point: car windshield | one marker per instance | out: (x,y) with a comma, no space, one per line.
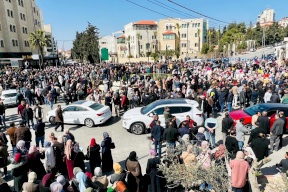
(255,108)
(10,95)
(96,106)
(148,108)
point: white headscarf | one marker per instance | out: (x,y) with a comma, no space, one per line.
(251,153)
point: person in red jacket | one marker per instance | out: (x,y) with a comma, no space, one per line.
(20,110)
(124,102)
(189,121)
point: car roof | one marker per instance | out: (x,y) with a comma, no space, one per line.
(274,105)
(83,103)
(9,91)
(173,101)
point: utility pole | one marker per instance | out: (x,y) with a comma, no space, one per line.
(187,25)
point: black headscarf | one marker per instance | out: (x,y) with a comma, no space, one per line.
(132,156)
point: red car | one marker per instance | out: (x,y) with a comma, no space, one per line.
(271,108)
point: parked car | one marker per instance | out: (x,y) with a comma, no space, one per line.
(252,50)
(82,112)
(9,97)
(137,120)
(271,108)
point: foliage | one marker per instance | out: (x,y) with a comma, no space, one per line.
(85,45)
(168,53)
(39,41)
(205,48)
(155,56)
(193,175)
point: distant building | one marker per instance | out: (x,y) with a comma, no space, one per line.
(283,22)
(17,20)
(110,43)
(52,48)
(266,18)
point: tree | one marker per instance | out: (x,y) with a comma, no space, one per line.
(205,48)
(156,40)
(138,40)
(85,45)
(168,53)
(39,41)
(128,42)
(155,56)
(178,46)
(198,34)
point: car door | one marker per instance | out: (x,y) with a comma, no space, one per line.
(159,111)
(80,114)
(68,114)
(271,115)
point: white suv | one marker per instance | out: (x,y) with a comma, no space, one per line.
(9,97)
(137,120)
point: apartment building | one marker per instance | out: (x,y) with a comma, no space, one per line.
(138,40)
(18,18)
(184,35)
(52,48)
(266,18)
(283,22)
(109,42)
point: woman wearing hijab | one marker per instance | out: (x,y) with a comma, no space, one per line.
(20,148)
(188,156)
(219,155)
(59,151)
(75,183)
(205,159)
(157,184)
(70,154)
(61,179)
(49,161)
(239,171)
(4,157)
(107,160)
(93,155)
(100,180)
(34,162)
(79,158)
(249,155)
(81,179)
(31,185)
(135,174)
(19,172)
(119,174)
(56,187)
(44,185)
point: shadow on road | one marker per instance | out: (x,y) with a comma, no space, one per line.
(111,121)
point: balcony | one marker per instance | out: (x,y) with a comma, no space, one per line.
(121,41)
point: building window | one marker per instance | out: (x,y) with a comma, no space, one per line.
(24,17)
(140,46)
(16,43)
(196,44)
(170,27)
(19,2)
(198,24)
(167,27)
(11,13)
(14,28)
(183,35)
(193,25)
(37,13)
(183,45)
(140,37)
(13,42)
(11,28)
(22,4)
(8,12)
(34,9)
(169,36)
(0,27)
(153,46)
(1,43)
(21,17)
(196,34)
(35,22)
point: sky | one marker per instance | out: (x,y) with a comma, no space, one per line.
(69,16)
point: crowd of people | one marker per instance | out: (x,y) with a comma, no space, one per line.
(58,164)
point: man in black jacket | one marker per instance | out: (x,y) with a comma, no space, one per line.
(156,134)
(227,125)
(170,136)
(39,132)
(231,144)
(283,117)
(260,146)
(28,114)
(264,122)
(276,131)
(2,114)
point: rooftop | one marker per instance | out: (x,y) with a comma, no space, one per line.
(122,36)
(168,33)
(145,22)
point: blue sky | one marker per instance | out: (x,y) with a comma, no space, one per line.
(69,16)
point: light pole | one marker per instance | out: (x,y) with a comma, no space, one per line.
(187,46)
(148,44)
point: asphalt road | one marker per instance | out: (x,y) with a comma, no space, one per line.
(125,142)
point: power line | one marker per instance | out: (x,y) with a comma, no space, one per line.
(197,12)
(148,8)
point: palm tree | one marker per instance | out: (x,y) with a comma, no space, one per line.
(128,41)
(138,38)
(209,37)
(198,33)
(39,41)
(178,47)
(156,40)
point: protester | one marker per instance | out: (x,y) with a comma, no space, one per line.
(50,161)
(157,137)
(231,144)
(227,125)
(31,185)
(211,124)
(107,160)
(93,155)
(118,175)
(100,180)
(39,128)
(59,118)
(260,147)
(134,177)
(276,132)
(240,133)
(34,162)
(284,163)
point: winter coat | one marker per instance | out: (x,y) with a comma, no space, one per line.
(254,97)
(277,127)
(59,116)
(23,133)
(242,97)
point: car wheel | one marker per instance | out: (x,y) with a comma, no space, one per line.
(52,120)
(137,128)
(249,127)
(89,123)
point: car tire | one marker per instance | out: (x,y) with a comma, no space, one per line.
(52,120)
(249,127)
(137,128)
(89,123)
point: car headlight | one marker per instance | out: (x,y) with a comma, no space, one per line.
(126,119)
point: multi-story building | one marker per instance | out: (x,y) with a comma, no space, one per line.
(138,39)
(18,18)
(52,48)
(266,18)
(283,22)
(184,36)
(110,43)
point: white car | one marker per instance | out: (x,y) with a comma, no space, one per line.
(137,120)
(9,97)
(82,112)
